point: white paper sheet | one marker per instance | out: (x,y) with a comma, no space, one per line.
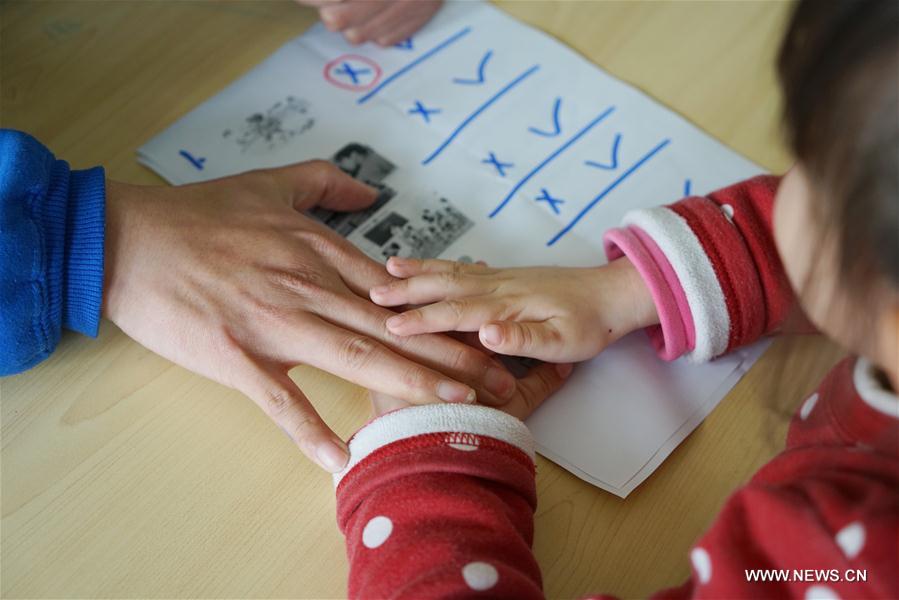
(527,152)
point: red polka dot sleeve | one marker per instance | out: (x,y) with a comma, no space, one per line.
(438,502)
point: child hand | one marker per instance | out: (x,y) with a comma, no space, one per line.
(385,22)
(550,313)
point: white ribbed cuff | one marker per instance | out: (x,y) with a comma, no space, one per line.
(695,272)
(452,419)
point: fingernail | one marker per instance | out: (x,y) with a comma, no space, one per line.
(499,381)
(379,290)
(491,334)
(450,391)
(564,370)
(331,456)
(396,322)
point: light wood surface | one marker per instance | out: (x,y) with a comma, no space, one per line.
(126,476)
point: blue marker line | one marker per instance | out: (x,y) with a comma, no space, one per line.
(197,162)
(481,67)
(557,127)
(478,112)
(403,70)
(606,191)
(687,187)
(551,158)
(613,164)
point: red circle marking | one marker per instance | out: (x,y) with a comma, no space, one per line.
(350,86)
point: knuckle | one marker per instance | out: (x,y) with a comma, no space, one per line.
(456,309)
(321,241)
(322,168)
(528,401)
(467,360)
(450,279)
(277,402)
(523,336)
(414,379)
(309,284)
(357,351)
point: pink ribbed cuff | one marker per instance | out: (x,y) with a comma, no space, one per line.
(675,333)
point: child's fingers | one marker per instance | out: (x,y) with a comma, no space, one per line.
(427,288)
(536,340)
(409,267)
(466,314)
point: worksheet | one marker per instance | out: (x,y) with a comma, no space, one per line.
(488,140)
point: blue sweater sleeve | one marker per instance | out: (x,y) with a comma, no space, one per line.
(52,227)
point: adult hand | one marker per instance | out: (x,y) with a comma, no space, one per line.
(228,279)
(385,22)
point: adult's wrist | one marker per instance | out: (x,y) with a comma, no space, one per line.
(120,225)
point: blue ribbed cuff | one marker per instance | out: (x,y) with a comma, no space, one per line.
(85,235)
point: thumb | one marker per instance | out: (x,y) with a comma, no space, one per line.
(535,340)
(279,397)
(320,183)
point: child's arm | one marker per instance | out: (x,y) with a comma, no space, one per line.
(702,274)
(438,501)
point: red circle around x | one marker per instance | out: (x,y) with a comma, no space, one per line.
(353,60)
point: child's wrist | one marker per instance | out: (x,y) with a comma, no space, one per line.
(636,308)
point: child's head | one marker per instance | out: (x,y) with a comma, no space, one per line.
(837,212)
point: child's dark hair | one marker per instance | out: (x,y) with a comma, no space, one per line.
(839,72)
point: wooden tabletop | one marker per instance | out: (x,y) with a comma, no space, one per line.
(124,475)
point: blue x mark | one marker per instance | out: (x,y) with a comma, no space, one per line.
(348,70)
(553,202)
(498,164)
(422,110)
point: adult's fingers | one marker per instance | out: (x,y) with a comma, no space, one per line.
(366,362)
(430,287)
(410,267)
(288,407)
(320,183)
(535,387)
(464,314)
(491,380)
(533,339)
